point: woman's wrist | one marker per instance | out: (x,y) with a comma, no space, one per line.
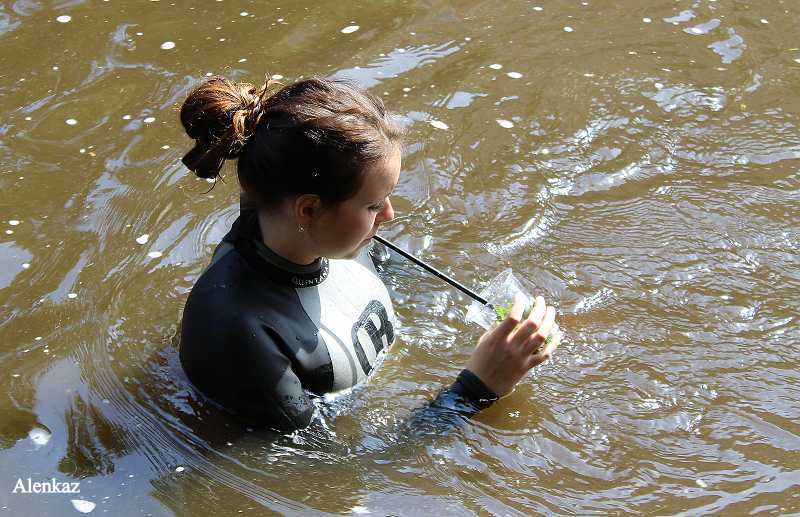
(474,388)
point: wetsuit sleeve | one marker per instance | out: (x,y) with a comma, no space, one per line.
(452,406)
(270,393)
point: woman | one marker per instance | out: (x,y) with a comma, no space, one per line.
(290,306)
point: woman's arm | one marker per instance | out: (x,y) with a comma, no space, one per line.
(503,355)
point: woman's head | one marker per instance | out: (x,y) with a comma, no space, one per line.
(316,136)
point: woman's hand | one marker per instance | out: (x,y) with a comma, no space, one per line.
(505,353)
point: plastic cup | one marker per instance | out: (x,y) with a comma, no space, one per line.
(500,294)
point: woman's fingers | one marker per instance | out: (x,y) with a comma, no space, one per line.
(538,311)
(514,316)
(545,353)
(546,326)
(533,331)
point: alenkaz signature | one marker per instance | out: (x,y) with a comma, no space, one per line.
(51,486)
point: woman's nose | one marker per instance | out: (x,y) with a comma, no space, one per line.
(388,212)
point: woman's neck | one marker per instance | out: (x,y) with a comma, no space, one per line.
(284,239)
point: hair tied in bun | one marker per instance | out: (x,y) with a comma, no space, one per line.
(256,106)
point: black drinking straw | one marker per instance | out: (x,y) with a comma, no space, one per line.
(431,269)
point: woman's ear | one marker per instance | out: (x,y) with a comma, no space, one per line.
(306,207)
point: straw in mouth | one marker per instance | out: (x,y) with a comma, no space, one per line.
(433,270)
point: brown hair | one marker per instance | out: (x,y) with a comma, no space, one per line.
(311,137)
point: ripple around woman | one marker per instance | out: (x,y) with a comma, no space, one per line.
(290,306)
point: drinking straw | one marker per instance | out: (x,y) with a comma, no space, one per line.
(432,270)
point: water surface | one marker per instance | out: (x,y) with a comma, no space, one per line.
(635,162)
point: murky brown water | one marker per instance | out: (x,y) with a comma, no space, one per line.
(640,168)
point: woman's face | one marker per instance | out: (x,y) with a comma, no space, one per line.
(341,231)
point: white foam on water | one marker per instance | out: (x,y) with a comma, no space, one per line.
(165,147)
(71,121)
(244,13)
(168,45)
(514,75)
(568,29)
(647,20)
(13,222)
(684,16)
(797,60)
(701,483)
(64,18)
(243,60)
(82,505)
(438,124)
(496,66)
(39,436)
(9,232)
(658,86)
(72,296)
(28,118)
(154,254)
(277,77)
(149,120)
(350,29)
(142,239)
(126,117)
(179,469)
(764,20)
(505,123)
(25,265)
(538,8)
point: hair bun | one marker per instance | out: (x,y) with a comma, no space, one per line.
(220,116)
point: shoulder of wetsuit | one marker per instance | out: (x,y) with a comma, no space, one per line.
(232,354)
(239,362)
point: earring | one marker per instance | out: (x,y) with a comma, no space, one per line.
(301,229)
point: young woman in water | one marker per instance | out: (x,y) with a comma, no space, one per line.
(290,307)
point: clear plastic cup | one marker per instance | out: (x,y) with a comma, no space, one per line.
(500,294)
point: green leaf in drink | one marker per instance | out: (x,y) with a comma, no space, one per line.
(501,311)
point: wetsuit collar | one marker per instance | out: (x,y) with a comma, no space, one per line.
(246,237)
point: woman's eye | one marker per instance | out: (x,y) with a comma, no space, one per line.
(376,208)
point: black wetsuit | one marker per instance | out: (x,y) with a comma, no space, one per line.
(261,335)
